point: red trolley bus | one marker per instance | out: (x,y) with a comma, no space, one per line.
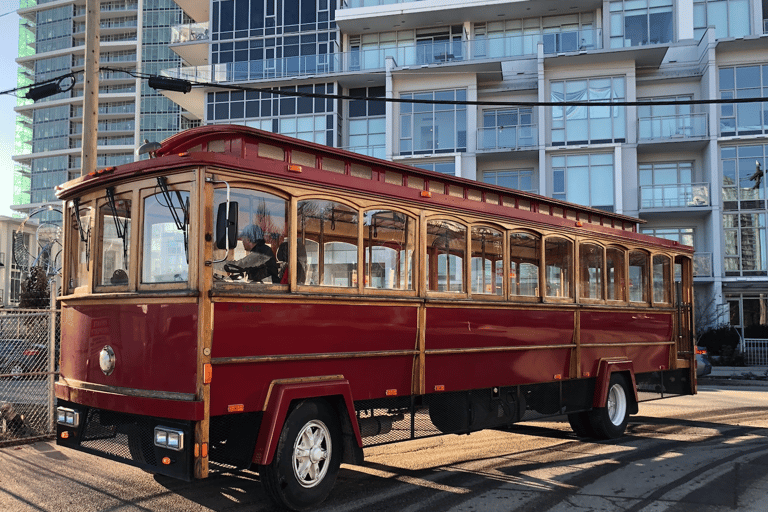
(367,302)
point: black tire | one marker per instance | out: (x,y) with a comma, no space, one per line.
(307,457)
(610,422)
(580,424)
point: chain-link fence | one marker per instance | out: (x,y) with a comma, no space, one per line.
(29,354)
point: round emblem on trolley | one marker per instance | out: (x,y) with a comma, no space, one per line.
(107,360)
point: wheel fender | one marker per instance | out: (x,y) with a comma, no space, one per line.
(278,403)
(607,368)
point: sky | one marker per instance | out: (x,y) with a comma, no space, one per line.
(9,27)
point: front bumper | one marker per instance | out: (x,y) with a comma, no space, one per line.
(128,438)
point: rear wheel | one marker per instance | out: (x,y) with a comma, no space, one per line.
(307,458)
(580,424)
(609,422)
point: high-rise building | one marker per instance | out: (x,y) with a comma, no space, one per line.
(495,69)
(134,36)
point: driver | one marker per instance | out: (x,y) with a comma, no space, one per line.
(260,261)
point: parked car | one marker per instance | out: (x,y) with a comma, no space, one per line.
(703,366)
(18,357)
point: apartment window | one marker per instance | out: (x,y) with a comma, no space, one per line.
(519,179)
(367,123)
(745,244)
(729,17)
(680,235)
(661,121)
(739,164)
(448,167)
(427,128)
(509,38)
(588,125)
(641,22)
(584,179)
(665,184)
(507,128)
(743,118)
(301,117)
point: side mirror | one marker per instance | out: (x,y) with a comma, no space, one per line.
(226,225)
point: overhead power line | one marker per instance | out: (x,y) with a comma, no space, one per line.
(181,85)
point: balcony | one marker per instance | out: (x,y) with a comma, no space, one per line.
(702,264)
(190,42)
(505,138)
(377,151)
(676,195)
(189,32)
(374,59)
(674,127)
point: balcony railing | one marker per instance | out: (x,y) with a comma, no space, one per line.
(377,151)
(683,126)
(676,195)
(349,4)
(506,137)
(189,32)
(370,59)
(702,264)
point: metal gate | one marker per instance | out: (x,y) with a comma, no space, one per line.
(29,354)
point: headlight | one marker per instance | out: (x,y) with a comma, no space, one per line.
(170,438)
(68,417)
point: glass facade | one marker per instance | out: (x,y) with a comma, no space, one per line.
(729,17)
(641,22)
(743,82)
(160,117)
(584,179)
(579,124)
(433,128)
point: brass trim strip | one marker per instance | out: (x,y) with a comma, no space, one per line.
(139,393)
(475,350)
(311,357)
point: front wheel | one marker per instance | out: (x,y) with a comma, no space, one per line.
(307,458)
(609,422)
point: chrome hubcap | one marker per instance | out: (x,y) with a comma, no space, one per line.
(617,404)
(311,452)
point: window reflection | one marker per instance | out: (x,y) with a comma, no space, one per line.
(446,246)
(389,240)
(638,276)
(559,262)
(165,255)
(115,226)
(524,258)
(328,230)
(487,261)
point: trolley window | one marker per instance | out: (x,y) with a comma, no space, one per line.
(524,255)
(638,276)
(559,262)
(614,266)
(662,286)
(329,232)
(165,250)
(115,237)
(388,241)
(446,246)
(591,266)
(487,261)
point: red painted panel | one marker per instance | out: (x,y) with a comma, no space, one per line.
(644,359)
(468,327)
(625,327)
(176,409)
(294,328)
(484,370)
(155,345)
(248,383)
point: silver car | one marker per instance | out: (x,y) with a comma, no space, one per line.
(703,366)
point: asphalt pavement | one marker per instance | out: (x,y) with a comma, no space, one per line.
(735,375)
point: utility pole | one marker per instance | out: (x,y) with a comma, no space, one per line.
(91,83)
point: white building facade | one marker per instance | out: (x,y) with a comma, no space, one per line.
(683,167)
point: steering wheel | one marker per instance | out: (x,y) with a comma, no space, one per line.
(234,271)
